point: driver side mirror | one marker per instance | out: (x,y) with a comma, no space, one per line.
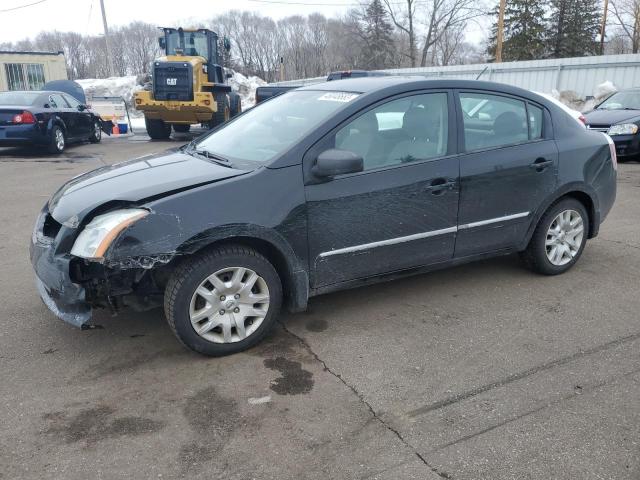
(226,43)
(334,162)
(162,43)
(82,108)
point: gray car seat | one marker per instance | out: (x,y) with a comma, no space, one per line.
(421,127)
(509,127)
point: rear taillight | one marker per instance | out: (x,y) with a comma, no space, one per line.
(583,119)
(24,117)
(612,149)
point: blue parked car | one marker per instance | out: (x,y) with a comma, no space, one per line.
(48,119)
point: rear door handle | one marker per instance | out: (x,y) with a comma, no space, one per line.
(540,164)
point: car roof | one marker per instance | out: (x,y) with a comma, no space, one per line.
(367,85)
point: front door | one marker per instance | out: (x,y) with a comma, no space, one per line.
(509,169)
(401,210)
(83,120)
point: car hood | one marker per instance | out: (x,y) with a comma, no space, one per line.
(134,181)
(610,117)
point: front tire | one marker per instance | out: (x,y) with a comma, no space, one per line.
(559,238)
(223,301)
(96,135)
(157,129)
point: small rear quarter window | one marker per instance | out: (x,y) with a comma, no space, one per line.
(535,122)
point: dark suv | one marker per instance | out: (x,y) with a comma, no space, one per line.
(324,188)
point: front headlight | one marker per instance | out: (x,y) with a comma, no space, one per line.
(623,129)
(93,241)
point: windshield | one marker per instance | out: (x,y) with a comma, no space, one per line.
(274,126)
(18,98)
(191,43)
(622,100)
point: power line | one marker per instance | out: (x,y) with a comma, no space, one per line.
(322,4)
(22,6)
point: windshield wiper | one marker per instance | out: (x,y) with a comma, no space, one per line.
(218,159)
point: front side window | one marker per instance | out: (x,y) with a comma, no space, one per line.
(400,131)
(57,101)
(73,103)
(493,121)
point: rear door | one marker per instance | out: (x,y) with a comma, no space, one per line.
(401,210)
(509,166)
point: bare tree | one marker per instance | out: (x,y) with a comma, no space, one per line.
(403,18)
(627,14)
(443,15)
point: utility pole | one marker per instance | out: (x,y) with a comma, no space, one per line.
(604,25)
(281,69)
(106,39)
(500,33)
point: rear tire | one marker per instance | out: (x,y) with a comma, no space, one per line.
(234,311)
(157,129)
(181,127)
(58,140)
(559,238)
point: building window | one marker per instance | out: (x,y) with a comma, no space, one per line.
(24,76)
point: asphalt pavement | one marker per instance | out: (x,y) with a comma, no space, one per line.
(484,371)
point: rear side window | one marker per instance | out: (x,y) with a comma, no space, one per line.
(493,121)
(535,122)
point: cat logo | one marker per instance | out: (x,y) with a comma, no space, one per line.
(172,81)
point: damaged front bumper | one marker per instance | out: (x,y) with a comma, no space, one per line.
(59,293)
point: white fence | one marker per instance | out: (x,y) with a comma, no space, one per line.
(580,74)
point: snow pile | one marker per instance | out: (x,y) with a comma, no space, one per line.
(246,87)
(573,100)
(111,87)
(604,89)
(125,87)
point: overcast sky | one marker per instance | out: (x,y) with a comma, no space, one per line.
(84,16)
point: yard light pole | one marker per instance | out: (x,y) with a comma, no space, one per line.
(500,33)
(604,25)
(106,39)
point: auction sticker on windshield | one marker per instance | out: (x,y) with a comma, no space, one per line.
(338,97)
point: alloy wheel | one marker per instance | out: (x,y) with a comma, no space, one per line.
(564,237)
(97,131)
(59,139)
(229,305)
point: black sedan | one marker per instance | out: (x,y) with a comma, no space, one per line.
(46,119)
(324,188)
(619,117)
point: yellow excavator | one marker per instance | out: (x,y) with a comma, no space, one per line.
(188,85)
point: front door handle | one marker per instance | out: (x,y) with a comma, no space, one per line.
(540,164)
(439,185)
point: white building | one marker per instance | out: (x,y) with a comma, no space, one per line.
(30,70)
